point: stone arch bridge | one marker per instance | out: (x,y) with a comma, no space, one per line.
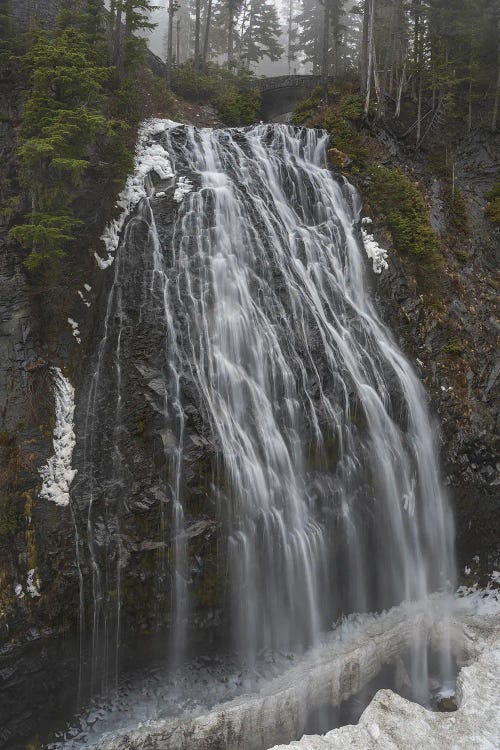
(280,94)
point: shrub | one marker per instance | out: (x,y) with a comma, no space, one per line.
(493,206)
(237,107)
(400,203)
(306,109)
(193,85)
(47,235)
(235,99)
(351,107)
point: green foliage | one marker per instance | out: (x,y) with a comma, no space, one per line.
(236,100)
(351,107)
(399,202)
(337,119)
(454,347)
(46,234)
(61,121)
(10,516)
(306,109)
(237,107)
(10,519)
(493,207)
(192,84)
(7,439)
(458,220)
(343,135)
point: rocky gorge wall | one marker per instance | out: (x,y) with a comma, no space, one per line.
(25,12)
(453,339)
(37,554)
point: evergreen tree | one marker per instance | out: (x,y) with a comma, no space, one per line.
(259,32)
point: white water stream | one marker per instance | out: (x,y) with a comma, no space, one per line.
(327,489)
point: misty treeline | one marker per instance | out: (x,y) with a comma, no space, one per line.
(444,53)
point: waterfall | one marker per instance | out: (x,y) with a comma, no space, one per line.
(241,294)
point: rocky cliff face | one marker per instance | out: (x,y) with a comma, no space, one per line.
(452,346)
(25,12)
(453,339)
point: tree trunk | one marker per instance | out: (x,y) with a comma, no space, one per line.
(117,36)
(197,34)
(111,29)
(419,109)
(494,118)
(369,70)
(324,49)
(416,12)
(400,90)
(230,33)
(178,41)
(290,19)
(206,40)
(364,48)
(170,34)
(386,63)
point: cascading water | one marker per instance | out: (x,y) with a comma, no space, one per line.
(267,348)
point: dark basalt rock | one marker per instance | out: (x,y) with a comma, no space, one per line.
(39,654)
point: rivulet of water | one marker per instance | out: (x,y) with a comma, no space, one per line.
(326,476)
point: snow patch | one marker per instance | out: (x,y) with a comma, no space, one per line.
(484,601)
(33,583)
(377,254)
(83,298)
(19,591)
(58,474)
(75,330)
(150,156)
(87,287)
(342,664)
(184,186)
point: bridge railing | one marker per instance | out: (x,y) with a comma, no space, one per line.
(292,82)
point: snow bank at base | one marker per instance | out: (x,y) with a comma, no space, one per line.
(339,667)
(150,156)
(391,722)
(377,254)
(57,474)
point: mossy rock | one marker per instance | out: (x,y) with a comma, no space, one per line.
(400,204)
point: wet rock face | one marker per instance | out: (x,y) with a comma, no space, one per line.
(133,452)
(453,342)
(26,11)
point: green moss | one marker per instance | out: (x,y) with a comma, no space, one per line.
(493,205)
(351,107)
(306,109)
(7,439)
(462,256)
(10,518)
(399,203)
(140,428)
(338,119)
(453,347)
(234,97)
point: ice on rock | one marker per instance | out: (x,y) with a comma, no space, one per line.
(83,298)
(33,583)
(184,186)
(19,591)
(150,156)
(377,254)
(58,473)
(324,675)
(75,330)
(391,721)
